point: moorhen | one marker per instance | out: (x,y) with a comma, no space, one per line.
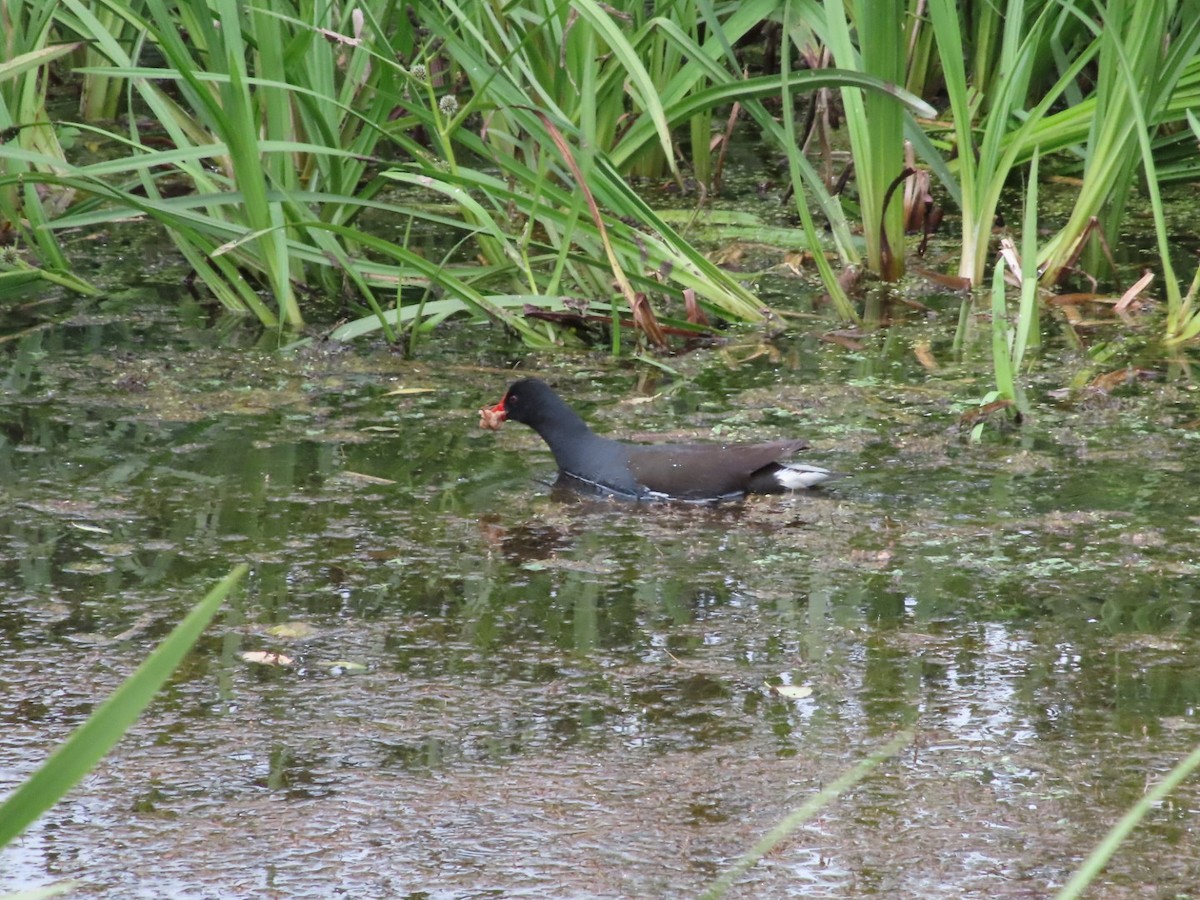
(703,473)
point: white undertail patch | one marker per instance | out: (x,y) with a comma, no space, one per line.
(798,476)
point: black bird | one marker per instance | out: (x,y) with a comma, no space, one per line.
(691,472)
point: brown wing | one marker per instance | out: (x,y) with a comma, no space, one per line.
(703,471)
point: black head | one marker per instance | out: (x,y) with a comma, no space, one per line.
(528,400)
(534,403)
(578,451)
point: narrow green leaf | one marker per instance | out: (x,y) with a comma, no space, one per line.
(1001,360)
(1098,858)
(1027,312)
(18,65)
(104,727)
(806,811)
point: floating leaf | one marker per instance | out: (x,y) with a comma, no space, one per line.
(93,639)
(266,658)
(792,691)
(96,567)
(366,479)
(292,630)
(924,354)
(94,529)
(344,667)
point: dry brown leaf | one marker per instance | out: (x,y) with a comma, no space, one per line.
(1128,298)
(953,282)
(971,416)
(925,356)
(842,339)
(695,314)
(645,321)
(1109,381)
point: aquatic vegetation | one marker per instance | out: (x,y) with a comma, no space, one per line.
(270,143)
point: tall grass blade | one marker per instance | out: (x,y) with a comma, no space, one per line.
(806,811)
(1142,58)
(34,59)
(796,167)
(1011,341)
(1098,858)
(874,122)
(1026,334)
(103,728)
(991,142)
(1001,358)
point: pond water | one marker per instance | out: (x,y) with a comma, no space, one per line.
(498,691)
